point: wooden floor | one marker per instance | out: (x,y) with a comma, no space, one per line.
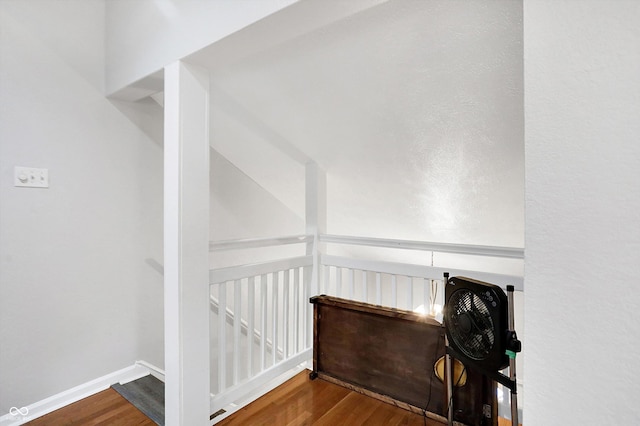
(302,401)
(104,408)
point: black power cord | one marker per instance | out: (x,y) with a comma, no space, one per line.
(433,373)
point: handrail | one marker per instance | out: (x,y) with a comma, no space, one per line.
(231,273)
(478,250)
(430,272)
(258,242)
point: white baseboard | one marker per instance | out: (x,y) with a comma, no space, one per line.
(153,370)
(21,415)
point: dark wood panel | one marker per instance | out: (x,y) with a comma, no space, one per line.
(380,354)
(391,353)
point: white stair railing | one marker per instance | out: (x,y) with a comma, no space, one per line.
(395,290)
(261,322)
(393,284)
(258,325)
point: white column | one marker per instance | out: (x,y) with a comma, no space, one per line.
(186,242)
(315,216)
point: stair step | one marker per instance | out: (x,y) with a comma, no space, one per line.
(147,395)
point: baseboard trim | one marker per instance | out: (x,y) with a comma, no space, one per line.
(158,373)
(38,409)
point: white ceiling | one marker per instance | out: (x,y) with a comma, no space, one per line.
(414,108)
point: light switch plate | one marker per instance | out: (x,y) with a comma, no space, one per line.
(31,177)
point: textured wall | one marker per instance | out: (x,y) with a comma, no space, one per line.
(582,117)
(413,108)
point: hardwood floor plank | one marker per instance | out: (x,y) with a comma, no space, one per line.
(298,402)
(103,408)
(305,402)
(302,401)
(357,410)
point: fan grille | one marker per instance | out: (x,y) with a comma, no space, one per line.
(470,324)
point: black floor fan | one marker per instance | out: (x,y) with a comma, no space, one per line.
(480,333)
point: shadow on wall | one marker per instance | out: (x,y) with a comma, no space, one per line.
(146,114)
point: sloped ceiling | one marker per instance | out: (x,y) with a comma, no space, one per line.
(413,108)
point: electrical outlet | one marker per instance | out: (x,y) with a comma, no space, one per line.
(31,177)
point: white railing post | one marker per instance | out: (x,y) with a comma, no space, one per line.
(251,326)
(315,217)
(315,224)
(186,245)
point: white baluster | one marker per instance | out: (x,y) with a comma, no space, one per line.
(251,290)
(263,321)
(222,336)
(394,290)
(237,322)
(308,316)
(426,298)
(275,278)
(285,311)
(327,282)
(365,290)
(296,310)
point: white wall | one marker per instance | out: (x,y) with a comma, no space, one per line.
(241,208)
(415,102)
(582,118)
(413,108)
(82,250)
(145,35)
(78,297)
